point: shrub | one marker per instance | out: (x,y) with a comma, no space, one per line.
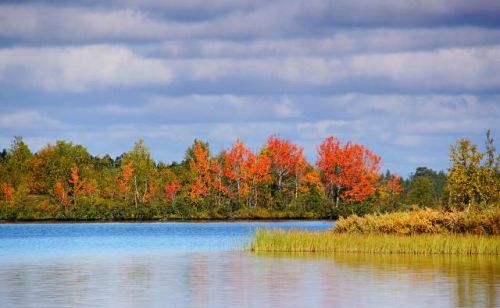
(486,222)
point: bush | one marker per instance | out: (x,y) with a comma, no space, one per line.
(486,222)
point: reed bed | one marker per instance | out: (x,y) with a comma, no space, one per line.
(330,242)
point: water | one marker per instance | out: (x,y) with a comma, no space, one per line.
(203,265)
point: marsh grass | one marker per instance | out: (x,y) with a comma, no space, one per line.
(330,242)
(424,221)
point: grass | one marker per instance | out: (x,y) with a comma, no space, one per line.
(330,242)
(422,231)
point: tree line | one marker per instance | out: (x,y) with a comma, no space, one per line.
(64,181)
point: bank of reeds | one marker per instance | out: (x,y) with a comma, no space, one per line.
(330,242)
(424,231)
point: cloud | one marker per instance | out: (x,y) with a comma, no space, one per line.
(89,21)
(340,42)
(79,68)
(416,71)
(405,78)
(70,24)
(206,109)
(399,13)
(29,119)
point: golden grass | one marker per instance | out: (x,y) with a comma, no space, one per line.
(424,221)
(330,242)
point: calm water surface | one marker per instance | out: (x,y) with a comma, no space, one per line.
(203,265)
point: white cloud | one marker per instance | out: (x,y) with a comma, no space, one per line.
(455,69)
(37,22)
(29,119)
(79,68)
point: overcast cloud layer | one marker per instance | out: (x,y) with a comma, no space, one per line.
(407,78)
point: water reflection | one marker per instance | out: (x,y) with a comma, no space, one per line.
(464,281)
(246,279)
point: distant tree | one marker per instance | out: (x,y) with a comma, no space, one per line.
(438,183)
(77,184)
(198,158)
(349,171)
(6,191)
(421,192)
(472,180)
(54,163)
(143,172)
(18,163)
(287,160)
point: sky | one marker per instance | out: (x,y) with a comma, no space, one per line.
(405,78)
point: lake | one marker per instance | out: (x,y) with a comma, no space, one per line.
(205,265)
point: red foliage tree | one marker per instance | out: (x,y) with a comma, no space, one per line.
(287,161)
(7,191)
(77,184)
(393,185)
(234,165)
(201,166)
(256,171)
(245,171)
(310,181)
(349,172)
(61,194)
(171,188)
(124,179)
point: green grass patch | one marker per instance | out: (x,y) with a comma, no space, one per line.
(330,242)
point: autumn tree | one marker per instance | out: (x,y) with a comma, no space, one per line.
(464,178)
(234,165)
(143,172)
(287,162)
(54,162)
(201,167)
(77,184)
(256,173)
(310,182)
(171,189)
(470,180)
(125,178)
(6,191)
(61,195)
(349,171)
(18,163)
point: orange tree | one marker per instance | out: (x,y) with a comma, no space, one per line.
(349,171)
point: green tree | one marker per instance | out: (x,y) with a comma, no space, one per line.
(54,162)
(437,179)
(18,162)
(144,172)
(421,192)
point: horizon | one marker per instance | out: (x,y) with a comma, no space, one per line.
(105,74)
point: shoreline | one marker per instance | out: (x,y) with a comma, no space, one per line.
(170,220)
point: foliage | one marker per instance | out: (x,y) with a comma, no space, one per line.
(425,187)
(63,181)
(424,221)
(349,171)
(473,178)
(421,191)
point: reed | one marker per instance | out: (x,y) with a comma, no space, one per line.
(330,242)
